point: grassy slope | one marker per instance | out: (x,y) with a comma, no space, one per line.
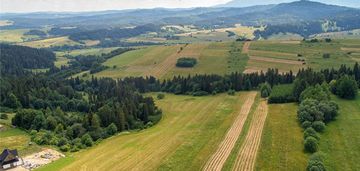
(189,130)
(341,140)
(91,51)
(282,142)
(13,36)
(57,41)
(311,51)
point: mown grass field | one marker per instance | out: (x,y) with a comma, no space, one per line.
(311,52)
(183,140)
(340,143)
(14,138)
(44,43)
(85,52)
(159,61)
(282,141)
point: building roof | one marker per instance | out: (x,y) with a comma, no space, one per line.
(8,156)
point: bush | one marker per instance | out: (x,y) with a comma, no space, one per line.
(4,116)
(282,94)
(231,92)
(315,163)
(186,62)
(320,93)
(326,55)
(87,140)
(319,126)
(310,132)
(311,144)
(265,90)
(306,124)
(62,141)
(111,129)
(65,148)
(346,87)
(160,96)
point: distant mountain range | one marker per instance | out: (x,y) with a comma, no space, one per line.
(248,3)
(298,14)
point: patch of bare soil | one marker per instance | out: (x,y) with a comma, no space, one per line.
(246,47)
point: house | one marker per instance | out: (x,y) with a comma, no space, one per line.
(9,159)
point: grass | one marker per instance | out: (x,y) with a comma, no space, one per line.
(62,162)
(282,140)
(14,36)
(312,52)
(61,61)
(340,142)
(183,140)
(85,52)
(50,42)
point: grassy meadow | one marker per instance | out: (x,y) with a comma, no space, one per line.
(190,129)
(340,142)
(14,138)
(282,140)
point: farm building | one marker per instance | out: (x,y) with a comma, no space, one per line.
(9,159)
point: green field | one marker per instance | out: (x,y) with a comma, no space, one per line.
(50,42)
(311,52)
(340,143)
(282,142)
(190,129)
(15,36)
(85,52)
(14,138)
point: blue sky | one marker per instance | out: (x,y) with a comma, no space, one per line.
(98,5)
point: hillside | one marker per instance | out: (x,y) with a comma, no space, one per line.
(247,3)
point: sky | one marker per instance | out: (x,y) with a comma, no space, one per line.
(98,5)
(21,6)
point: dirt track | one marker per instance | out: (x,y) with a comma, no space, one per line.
(246,157)
(246,47)
(350,49)
(217,160)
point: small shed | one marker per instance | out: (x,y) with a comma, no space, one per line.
(9,159)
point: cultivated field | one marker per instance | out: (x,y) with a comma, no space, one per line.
(190,129)
(14,36)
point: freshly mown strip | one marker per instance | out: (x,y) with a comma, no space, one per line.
(218,159)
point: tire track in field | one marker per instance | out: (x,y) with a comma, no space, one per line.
(246,47)
(224,149)
(246,157)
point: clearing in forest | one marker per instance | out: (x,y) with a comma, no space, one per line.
(247,155)
(224,149)
(182,140)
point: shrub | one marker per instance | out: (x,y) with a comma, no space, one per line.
(62,141)
(87,140)
(282,94)
(231,92)
(320,93)
(309,111)
(310,132)
(4,116)
(346,87)
(186,62)
(311,144)
(319,126)
(315,163)
(160,96)
(265,90)
(111,129)
(65,148)
(326,55)
(306,124)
